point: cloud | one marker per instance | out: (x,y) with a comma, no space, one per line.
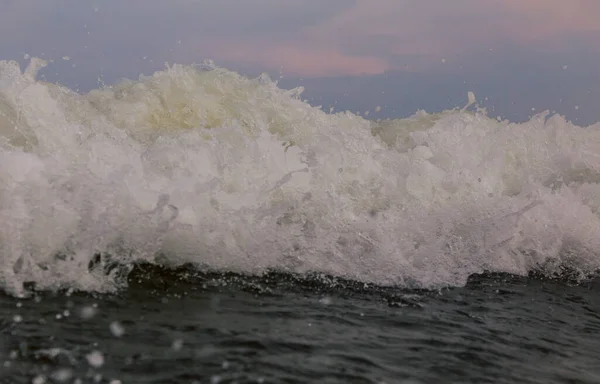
(297,60)
(117,33)
(405,26)
(306,37)
(428,29)
(540,19)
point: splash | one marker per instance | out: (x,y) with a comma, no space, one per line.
(204,166)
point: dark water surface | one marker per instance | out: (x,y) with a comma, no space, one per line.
(181,327)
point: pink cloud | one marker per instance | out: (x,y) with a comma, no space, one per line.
(366,37)
(411,27)
(309,62)
(546,18)
(297,60)
(362,36)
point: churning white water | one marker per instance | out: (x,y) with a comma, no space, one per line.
(229,173)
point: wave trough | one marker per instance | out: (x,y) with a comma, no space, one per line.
(204,166)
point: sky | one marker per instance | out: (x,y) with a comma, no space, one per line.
(519,56)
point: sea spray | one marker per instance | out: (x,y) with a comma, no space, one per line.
(205,166)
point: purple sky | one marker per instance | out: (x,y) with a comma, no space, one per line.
(510,49)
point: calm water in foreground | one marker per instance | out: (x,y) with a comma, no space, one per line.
(184,327)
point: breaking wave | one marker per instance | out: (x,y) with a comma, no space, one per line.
(201,165)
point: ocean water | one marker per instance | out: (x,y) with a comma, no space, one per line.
(199,226)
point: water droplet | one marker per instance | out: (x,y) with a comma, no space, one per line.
(38,380)
(62,375)
(95,359)
(117,329)
(17,318)
(88,312)
(177,344)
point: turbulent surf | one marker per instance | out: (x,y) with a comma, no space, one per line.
(202,166)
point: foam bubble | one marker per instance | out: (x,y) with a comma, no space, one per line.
(205,166)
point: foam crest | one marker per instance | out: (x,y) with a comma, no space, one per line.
(204,166)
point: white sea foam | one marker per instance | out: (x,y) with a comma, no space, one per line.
(206,166)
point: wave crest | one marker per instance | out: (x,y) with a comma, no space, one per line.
(204,166)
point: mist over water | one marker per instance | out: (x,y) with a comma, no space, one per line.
(202,165)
